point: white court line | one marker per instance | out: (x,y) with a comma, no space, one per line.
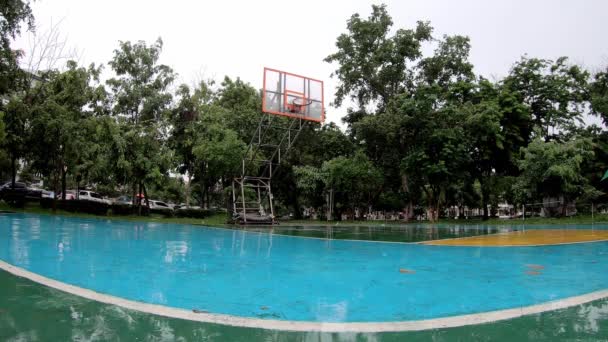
(248,322)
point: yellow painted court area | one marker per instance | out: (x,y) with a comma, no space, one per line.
(532,237)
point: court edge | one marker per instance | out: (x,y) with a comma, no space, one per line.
(303,326)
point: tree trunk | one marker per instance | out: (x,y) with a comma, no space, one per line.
(203,185)
(139,202)
(13,170)
(146,197)
(433,212)
(203,194)
(63,183)
(189,179)
(484,199)
(409,208)
(78,178)
(208,200)
(296,208)
(432,204)
(461,211)
(134,195)
(408,211)
(484,203)
(55,189)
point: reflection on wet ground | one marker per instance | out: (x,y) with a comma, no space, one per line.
(380,232)
(31,312)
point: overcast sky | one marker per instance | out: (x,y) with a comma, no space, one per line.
(238,38)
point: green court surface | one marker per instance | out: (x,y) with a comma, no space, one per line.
(32,312)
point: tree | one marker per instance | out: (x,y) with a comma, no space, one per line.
(141,98)
(184,132)
(438,157)
(310,182)
(2,131)
(554,91)
(243,103)
(425,128)
(218,152)
(16,116)
(373,66)
(356,181)
(598,90)
(60,133)
(553,170)
(14,14)
(486,142)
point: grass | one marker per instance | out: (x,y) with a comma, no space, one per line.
(34,208)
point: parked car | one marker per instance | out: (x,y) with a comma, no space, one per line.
(86,195)
(123,200)
(185,207)
(4,184)
(159,205)
(19,192)
(48,194)
(69,195)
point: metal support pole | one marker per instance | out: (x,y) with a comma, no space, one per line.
(270,201)
(233,199)
(260,202)
(243,199)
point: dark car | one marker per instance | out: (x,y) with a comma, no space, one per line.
(19,192)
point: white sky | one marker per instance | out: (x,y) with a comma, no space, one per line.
(238,38)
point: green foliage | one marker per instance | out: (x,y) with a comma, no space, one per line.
(555,92)
(311,182)
(220,151)
(14,14)
(552,169)
(372,64)
(61,122)
(599,95)
(140,88)
(141,103)
(2,131)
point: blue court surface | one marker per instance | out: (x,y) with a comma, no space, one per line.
(261,275)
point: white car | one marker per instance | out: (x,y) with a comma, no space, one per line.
(158,205)
(86,195)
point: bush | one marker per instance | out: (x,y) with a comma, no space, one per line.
(88,207)
(194,213)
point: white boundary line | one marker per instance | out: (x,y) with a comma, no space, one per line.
(248,322)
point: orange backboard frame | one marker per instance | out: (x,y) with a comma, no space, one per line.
(285,92)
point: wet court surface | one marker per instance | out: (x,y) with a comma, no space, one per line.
(32,312)
(263,275)
(379,232)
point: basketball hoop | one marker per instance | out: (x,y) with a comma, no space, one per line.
(292,95)
(297,105)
